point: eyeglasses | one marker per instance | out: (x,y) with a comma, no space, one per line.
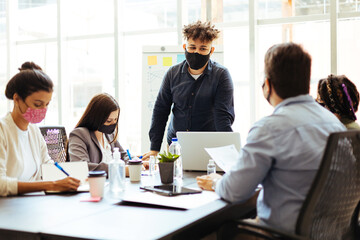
(201,50)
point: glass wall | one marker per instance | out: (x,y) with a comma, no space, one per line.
(149,14)
(87,17)
(304,34)
(36,19)
(3,58)
(93,46)
(349,49)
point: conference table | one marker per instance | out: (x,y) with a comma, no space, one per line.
(66,216)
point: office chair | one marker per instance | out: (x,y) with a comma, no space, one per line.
(331,208)
(56,140)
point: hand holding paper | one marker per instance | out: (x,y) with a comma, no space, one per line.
(225,157)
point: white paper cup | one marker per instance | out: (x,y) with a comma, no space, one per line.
(97,182)
(135,167)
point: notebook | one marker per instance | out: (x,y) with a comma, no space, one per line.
(77,170)
(194,156)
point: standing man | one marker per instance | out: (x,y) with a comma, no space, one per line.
(199,91)
(283,150)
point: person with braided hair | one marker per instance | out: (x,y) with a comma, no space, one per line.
(341,97)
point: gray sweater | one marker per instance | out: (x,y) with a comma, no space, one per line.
(84,146)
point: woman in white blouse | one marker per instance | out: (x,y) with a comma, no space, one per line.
(22,147)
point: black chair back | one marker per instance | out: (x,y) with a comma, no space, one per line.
(56,140)
(330,210)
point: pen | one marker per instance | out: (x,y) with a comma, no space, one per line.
(59,167)
(128,153)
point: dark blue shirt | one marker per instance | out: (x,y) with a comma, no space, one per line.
(205,104)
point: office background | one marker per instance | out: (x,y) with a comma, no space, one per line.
(93,46)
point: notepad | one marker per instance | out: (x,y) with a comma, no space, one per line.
(77,170)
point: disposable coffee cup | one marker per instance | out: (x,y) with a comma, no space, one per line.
(135,167)
(97,182)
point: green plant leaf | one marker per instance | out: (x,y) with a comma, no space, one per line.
(167,157)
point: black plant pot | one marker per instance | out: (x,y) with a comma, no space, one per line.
(166,172)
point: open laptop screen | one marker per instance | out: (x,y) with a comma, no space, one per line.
(194,156)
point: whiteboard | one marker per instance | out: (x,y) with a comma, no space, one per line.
(156,60)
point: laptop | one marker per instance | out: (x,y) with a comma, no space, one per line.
(194,156)
(79,170)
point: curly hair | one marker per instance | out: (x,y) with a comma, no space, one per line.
(339,95)
(205,32)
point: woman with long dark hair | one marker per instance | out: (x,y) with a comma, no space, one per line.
(95,135)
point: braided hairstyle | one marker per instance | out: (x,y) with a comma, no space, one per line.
(339,95)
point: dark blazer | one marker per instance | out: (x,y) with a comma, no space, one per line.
(84,146)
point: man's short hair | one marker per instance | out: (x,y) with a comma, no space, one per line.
(288,69)
(205,32)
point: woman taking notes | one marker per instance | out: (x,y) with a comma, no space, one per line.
(22,147)
(95,135)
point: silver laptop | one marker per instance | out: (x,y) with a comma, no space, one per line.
(194,156)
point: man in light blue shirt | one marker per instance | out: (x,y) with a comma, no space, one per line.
(284,150)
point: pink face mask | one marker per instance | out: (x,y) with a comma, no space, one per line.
(34,115)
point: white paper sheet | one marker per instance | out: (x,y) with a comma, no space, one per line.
(225,157)
(77,170)
(181,201)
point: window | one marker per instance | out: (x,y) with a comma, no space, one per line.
(149,14)
(36,19)
(88,70)
(277,9)
(236,59)
(349,6)
(78,46)
(87,17)
(349,49)
(3,58)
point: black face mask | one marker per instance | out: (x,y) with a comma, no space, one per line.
(107,129)
(196,60)
(268,96)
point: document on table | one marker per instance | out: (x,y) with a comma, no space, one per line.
(77,170)
(180,201)
(225,157)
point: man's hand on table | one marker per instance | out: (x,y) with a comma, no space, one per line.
(205,182)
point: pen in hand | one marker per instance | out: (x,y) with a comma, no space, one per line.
(59,167)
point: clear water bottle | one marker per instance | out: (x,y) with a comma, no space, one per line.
(117,173)
(211,167)
(152,163)
(175,148)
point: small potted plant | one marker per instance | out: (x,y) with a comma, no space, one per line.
(166,166)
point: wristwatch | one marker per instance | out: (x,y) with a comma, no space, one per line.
(214,181)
